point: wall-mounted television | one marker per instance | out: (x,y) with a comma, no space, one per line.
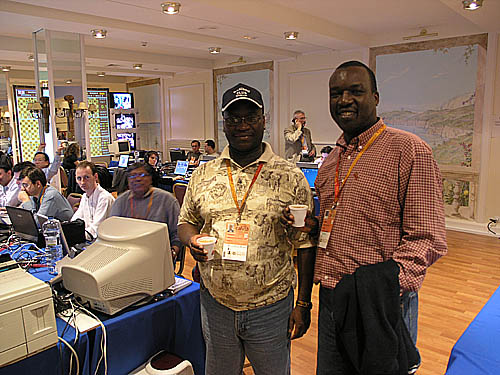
(122,100)
(125,121)
(130,137)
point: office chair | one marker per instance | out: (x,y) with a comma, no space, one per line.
(74,200)
(179,192)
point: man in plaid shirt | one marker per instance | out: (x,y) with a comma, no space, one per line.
(381,192)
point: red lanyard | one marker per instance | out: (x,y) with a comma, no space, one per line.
(132,204)
(233,190)
(339,185)
(41,196)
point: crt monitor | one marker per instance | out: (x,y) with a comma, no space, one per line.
(129,261)
(122,100)
(120,147)
(177,154)
(125,121)
(131,137)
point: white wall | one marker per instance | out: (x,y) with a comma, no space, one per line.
(147,102)
(188,109)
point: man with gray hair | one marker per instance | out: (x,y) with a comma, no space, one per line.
(298,140)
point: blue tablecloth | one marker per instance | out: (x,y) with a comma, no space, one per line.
(133,337)
(477,351)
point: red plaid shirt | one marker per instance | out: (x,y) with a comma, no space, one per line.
(391,206)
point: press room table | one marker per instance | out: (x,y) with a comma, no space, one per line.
(477,351)
(133,337)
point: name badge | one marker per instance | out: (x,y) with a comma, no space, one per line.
(326,227)
(236,241)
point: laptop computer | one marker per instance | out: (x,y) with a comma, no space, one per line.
(123,162)
(24,225)
(181,167)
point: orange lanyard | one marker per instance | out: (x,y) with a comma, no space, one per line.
(132,204)
(339,187)
(41,196)
(233,190)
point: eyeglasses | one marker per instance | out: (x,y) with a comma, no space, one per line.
(250,120)
(138,175)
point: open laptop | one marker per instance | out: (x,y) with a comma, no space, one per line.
(181,167)
(123,162)
(24,225)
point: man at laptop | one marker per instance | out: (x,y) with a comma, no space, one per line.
(9,189)
(95,205)
(43,199)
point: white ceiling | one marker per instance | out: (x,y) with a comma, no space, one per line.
(179,43)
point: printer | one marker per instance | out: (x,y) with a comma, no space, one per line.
(27,318)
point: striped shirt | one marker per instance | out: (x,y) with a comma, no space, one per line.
(391,206)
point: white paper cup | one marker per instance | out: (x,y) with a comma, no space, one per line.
(208,244)
(299,212)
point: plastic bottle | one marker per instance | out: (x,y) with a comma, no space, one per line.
(53,246)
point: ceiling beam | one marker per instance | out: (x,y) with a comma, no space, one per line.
(106,22)
(291,18)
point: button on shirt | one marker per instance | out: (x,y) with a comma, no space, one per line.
(268,273)
(391,206)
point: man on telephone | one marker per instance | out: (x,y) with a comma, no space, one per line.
(298,140)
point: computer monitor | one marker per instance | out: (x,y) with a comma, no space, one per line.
(120,147)
(123,162)
(177,154)
(310,170)
(125,121)
(122,100)
(181,167)
(130,137)
(130,260)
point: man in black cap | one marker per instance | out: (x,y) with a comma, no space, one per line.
(247,282)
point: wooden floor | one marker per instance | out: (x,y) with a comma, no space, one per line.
(454,291)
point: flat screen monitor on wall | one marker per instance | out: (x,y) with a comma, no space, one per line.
(125,121)
(122,100)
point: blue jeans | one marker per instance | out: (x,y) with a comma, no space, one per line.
(331,356)
(261,334)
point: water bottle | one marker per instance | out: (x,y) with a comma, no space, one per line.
(53,246)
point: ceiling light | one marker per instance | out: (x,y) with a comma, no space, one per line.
(214,50)
(144,44)
(101,74)
(249,37)
(137,66)
(69,81)
(472,4)
(99,33)
(291,35)
(31,57)
(170,7)
(5,68)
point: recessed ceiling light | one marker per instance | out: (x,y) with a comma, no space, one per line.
(137,66)
(207,28)
(249,37)
(472,4)
(69,81)
(31,57)
(214,50)
(144,44)
(5,68)
(291,35)
(99,33)
(170,7)
(101,74)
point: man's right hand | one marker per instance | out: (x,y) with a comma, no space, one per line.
(197,250)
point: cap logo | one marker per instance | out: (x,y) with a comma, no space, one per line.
(241,91)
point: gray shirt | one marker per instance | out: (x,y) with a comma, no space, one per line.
(164,208)
(50,203)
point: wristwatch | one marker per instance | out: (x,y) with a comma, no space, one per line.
(304,304)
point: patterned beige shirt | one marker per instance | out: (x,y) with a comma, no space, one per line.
(268,273)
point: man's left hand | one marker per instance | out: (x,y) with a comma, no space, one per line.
(299,322)
(312,153)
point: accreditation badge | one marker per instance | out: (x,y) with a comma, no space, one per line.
(326,227)
(236,241)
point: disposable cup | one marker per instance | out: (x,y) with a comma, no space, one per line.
(299,212)
(208,244)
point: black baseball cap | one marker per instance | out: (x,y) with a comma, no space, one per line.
(241,92)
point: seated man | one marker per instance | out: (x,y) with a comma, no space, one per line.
(9,189)
(210,147)
(96,203)
(43,199)
(193,156)
(143,201)
(42,161)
